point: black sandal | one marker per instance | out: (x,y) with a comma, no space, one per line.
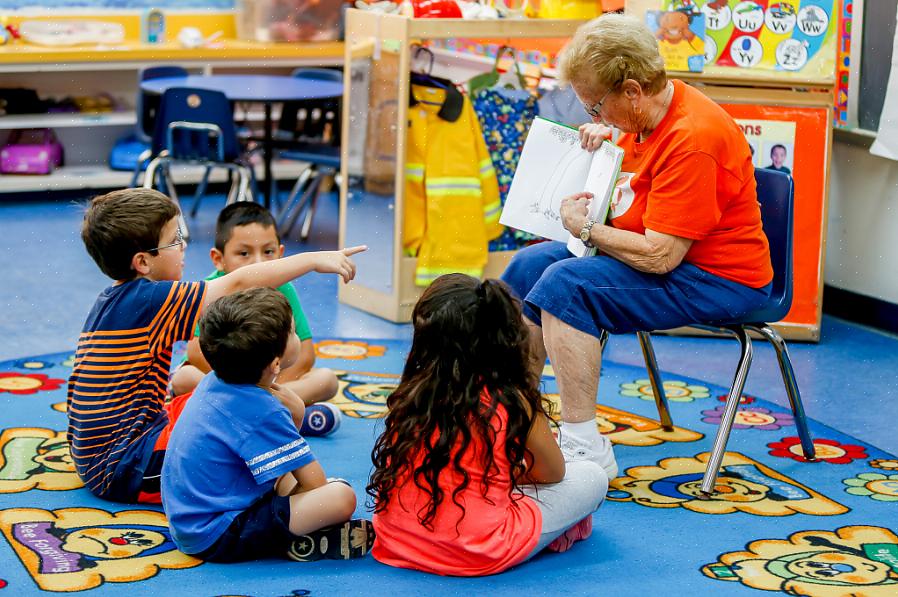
(352,539)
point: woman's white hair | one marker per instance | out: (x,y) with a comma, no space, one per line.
(611,49)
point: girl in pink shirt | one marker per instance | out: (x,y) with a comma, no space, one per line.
(468,478)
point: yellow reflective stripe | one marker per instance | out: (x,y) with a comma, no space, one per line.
(486,168)
(491,211)
(457,180)
(453,192)
(414,172)
(426,275)
(453,185)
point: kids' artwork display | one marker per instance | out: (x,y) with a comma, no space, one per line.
(796,36)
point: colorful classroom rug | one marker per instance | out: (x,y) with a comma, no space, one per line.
(777,524)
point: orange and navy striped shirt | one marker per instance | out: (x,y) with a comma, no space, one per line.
(119,380)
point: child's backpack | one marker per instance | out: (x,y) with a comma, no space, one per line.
(31,151)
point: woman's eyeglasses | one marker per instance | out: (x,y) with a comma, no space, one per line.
(596,110)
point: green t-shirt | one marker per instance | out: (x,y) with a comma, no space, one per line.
(302,326)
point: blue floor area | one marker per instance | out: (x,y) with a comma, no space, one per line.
(849,379)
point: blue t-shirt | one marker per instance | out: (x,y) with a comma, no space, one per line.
(229,445)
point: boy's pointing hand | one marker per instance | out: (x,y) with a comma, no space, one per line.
(339,262)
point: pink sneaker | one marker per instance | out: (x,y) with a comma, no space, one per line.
(578,532)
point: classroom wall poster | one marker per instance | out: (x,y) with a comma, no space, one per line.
(843,64)
(681,37)
(794,140)
(778,35)
(886,143)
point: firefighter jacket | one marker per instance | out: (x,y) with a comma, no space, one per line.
(451,194)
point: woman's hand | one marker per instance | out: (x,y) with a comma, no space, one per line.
(592,135)
(574,211)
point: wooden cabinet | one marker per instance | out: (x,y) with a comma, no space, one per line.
(378,61)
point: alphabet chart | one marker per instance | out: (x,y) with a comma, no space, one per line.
(781,35)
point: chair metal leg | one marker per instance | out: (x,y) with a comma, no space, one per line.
(782,355)
(149,178)
(144,156)
(729,413)
(243,190)
(307,223)
(173,193)
(233,187)
(200,192)
(651,366)
(298,187)
(603,340)
(310,212)
(297,207)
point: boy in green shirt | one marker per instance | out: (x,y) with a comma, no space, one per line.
(246,233)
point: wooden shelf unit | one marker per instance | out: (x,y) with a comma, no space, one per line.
(368,36)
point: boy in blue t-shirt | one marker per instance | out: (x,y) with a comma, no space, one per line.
(246,233)
(239,482)
(119,422)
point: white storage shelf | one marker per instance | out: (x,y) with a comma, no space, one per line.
(69,119)
(88,137)
(69,178)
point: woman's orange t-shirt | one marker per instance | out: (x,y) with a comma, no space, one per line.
(693,177)
(494,534)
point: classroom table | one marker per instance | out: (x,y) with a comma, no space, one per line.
(264,89)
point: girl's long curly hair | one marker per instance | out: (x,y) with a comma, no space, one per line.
(469,337)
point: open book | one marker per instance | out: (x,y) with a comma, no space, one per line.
(554,166)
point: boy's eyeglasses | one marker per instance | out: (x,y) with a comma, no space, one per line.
(179,240)
(596,110)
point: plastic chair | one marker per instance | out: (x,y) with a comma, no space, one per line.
(197,126)
(147,105)
(775,195)
(306,123)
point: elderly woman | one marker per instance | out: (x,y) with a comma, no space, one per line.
(683,242)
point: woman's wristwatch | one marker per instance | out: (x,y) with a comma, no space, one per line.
(585,231)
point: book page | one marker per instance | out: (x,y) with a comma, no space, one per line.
(552,166)
(600,181)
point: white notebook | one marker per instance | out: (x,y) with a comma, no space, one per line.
(554,166)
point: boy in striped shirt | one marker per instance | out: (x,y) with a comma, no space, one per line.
(119,423)
(239,482)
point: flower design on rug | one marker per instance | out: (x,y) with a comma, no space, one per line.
(885,464)
(32,364)
(69,362)
(353,350)
(827,450)
(27,383)
(755,417)
(877,486)
(744,399)
(676,391)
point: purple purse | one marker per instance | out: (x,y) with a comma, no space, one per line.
(31,151)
